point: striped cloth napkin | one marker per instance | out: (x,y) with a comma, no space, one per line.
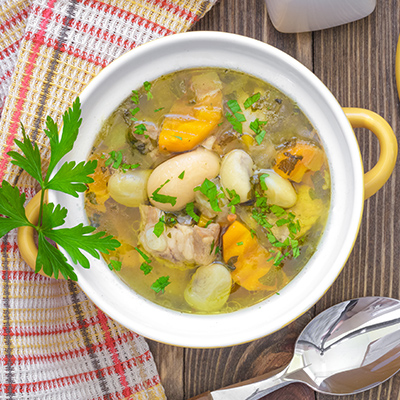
(55,343)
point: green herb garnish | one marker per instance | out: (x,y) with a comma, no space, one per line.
(71,178)
(116,161)
(209,189)
(251,100)
(146,268)
(115,265)
(162,198)
(262,181)
(181,175)
(144,255)
(160,284)
(147,87)
(191,213)
(255,126)
(159,227)
(236,118)
(159,109)
(135,97)
(239,243)
(140,129)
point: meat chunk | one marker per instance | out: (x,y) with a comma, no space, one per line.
(183,245)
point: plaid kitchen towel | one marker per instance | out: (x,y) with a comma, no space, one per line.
(55,343)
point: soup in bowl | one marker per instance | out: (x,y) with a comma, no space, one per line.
(233,180)
(216,185)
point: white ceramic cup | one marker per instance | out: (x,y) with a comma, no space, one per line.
(310,15)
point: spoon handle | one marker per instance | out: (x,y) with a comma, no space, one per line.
(251,389)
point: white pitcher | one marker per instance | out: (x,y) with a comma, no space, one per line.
(310,15)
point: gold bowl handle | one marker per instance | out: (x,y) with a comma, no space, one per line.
(375,178)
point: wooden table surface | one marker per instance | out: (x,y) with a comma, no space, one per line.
(357,63)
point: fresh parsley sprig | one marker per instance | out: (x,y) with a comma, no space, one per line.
(71,178)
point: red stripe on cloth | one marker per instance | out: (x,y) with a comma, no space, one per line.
(51,43)
(12,48)
(121,13)
(47,13)
(23,14)
(79,352)
(6,76)
(8,247)
(177,10)
(114,354)
(29,387)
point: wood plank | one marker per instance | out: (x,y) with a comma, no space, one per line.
(356,62)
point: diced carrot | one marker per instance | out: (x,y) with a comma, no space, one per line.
(189,125)
(251,263)
(293,162)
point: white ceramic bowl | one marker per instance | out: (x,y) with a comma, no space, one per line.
(201,49)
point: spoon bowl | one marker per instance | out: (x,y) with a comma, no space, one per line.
(348,348)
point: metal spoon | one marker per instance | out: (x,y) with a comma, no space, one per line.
(349,348)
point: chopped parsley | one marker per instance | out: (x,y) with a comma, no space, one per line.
(140,129)
(116,161)
(162,198)
(239,243)
(147,88)
(251,100)
(115,265)
(181,175)
(235,199)
(210,190)
(134,111)
(159,109)
(262,181)
(255,126)
(191,213)
(146,268)
(159,227)
(237,117)
(290,246)
(178,137)
(144,256)
(135,97)
(160,284)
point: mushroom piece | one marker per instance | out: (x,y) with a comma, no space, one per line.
(209,288)
(178,176)
(236,170)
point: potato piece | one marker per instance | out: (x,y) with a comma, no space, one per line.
(236,170)
(197,165)
(129,188)
(209,288)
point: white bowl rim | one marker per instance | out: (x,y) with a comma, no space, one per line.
(248,324)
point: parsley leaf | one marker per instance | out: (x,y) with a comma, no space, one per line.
(115,265)
(160,284)
(209,189)
(181,175)
(12,205)
(82,237)
(236,118)
(255,126)
(262,181)
(147,87)
(251,100)
(191,213)
(144,255)
(30,161)
(162,198)
(146,268)
(70,179)
(159,226)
